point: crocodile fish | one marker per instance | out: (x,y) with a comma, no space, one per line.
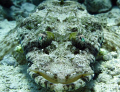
(60,42)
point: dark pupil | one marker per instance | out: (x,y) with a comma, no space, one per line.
(82,39)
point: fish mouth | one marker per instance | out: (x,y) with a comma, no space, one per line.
(70,82)
(62,77)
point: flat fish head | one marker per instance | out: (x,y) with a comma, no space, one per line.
(61,45)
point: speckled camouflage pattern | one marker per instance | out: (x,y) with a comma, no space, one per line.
(60,42)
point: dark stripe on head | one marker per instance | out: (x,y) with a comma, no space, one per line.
(28,58)
(55,76)
(39,81)
(73,86)
(68,85)
(91,59)
(51,84)
(46,82)
(35,75)
(29,63)
(67,77)
(85,79)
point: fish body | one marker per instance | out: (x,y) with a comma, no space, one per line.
(59,42)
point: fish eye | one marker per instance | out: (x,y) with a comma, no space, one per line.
(45,39)
(82,42)
(78,40)
(32,42)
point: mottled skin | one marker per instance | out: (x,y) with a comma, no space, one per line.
(60,42)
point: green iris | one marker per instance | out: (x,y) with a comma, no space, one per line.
(40,38)
(83,39)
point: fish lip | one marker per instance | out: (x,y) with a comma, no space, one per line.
(40,80)
(54,78)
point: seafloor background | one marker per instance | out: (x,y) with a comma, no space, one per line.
(14,77)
